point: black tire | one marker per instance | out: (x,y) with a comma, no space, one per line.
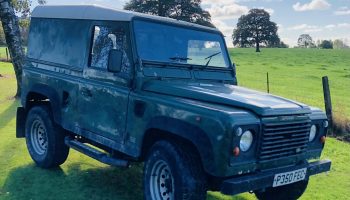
(287,192)
(188,180)
(45,140)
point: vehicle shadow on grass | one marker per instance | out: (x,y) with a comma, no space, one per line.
(74,182)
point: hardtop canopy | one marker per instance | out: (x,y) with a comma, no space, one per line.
(95,12)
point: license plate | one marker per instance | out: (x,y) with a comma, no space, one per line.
(289,177)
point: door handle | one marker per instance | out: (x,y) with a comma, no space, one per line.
(86,92)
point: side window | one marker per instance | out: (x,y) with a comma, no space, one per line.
(105,39)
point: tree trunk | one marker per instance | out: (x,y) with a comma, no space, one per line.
(10,25)
(161,11)
(257,47)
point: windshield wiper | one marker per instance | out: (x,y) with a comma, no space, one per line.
(210,57)
(179,58)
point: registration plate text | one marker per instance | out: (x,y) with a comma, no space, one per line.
(289,177)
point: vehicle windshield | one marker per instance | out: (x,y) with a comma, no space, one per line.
(174,44)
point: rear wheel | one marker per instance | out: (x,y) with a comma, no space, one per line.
(287,192)
(45,140)
(172,172)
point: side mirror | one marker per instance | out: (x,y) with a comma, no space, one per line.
(234,68)
(115,58)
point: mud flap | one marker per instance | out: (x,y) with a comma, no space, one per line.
(20,122)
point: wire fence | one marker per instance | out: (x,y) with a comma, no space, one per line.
(306,88)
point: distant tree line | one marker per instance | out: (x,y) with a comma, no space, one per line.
(305,41)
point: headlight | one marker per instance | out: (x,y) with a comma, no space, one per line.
(246,141)
(313,132)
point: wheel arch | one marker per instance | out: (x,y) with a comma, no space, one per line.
(175,130)
(40,94)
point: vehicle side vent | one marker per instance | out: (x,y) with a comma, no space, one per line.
(283,137)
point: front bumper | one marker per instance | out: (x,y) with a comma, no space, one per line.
(264,179)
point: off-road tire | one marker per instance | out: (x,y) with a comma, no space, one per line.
(56,152)
(187,172)
(287,192)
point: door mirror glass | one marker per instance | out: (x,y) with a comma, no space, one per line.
(115,58)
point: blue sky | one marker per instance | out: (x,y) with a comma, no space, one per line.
(322,19)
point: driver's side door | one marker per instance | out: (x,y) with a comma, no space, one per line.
(104,95)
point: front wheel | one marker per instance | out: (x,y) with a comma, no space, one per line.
(171,172)
(45,140)
(287,192)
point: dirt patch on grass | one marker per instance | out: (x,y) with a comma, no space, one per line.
(10,98)
(341,127)
(6,76)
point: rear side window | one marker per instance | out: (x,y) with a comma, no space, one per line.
(59,41)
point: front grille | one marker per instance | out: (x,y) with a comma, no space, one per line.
(284,137)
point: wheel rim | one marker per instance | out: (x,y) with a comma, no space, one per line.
(161,182)
(38,136)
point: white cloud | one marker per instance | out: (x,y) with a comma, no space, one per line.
(225,10)
(226,30)
(305,28)
(223,27)
(269,10)
(330,26)
(342,11)
(302,27)
(222,2)
(313,5)
(221,12)
(344,25)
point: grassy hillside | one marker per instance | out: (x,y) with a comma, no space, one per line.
(83,178)
(296,74)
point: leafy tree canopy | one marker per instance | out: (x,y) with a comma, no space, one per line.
(326,44)
(305,41)
(255,28)
(186,10)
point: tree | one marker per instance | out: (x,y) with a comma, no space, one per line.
(185,10)
(339,44)
(255,28)
(13,39)
(283,45)
(326,44)
(305,41)
(10,24)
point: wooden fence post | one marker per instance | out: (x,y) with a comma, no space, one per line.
(268,82)
(7,54)
(327,100)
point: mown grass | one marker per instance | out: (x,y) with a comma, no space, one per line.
(83,178)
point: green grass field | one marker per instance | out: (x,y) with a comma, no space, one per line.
(296,74)
(293,75)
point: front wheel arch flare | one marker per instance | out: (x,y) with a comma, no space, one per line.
(168,128)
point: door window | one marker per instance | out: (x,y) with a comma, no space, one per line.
(105,39)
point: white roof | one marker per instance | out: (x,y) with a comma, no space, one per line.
(94,12)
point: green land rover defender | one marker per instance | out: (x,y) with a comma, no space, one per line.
(124,87)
